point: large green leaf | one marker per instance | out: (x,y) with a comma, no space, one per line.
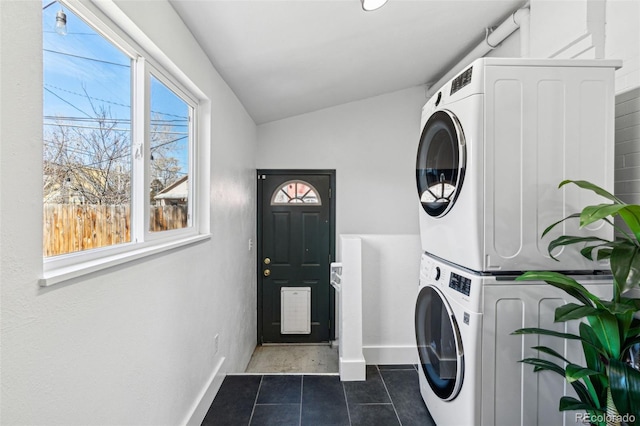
(566,240)
(625,266)
(591,214)
(546,332)
(603,252)
(547,350)
(591,350)
(553,225)
(575,372)
(619,308)
(589,337)
(631,341)
(573,311)
(605,326)
(631,216)
(625,388)
(590,186)
(631,301)
(583,393)
(543,364)
(624,324)
(563,282)
(568,403)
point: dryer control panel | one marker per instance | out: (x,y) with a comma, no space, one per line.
(460,81)
(460,283)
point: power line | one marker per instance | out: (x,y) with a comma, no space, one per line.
(66,101)
(172,123)
(86,58)
(121,129)
(85,96)
(168,142)
(118,129)
(72,33)
(181,117)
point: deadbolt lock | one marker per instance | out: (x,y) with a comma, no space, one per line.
(267,261)
(267,272)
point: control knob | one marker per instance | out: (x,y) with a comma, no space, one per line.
(435,273)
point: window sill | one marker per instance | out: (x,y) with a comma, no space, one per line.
(59,275)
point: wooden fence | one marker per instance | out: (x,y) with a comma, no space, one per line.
(72,228)
(163,218)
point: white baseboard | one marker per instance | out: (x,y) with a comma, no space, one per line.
(352,369)
(205,399)
(390,355)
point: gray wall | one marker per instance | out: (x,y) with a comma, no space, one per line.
(627,137)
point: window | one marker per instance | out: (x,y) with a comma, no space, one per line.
(118,143)
(87,161)
(295,192)
(169,159)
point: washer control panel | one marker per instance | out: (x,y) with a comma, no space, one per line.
(460,283)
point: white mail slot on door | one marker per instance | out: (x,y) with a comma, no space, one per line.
(295,310)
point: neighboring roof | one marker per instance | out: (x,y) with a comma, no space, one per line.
(178,189)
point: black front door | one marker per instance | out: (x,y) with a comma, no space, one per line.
(295,249)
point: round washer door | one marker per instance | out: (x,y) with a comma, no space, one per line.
(441,163)
(439,343)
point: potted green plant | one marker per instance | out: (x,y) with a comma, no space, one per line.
(608,387)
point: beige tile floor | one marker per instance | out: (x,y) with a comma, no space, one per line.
(294,359)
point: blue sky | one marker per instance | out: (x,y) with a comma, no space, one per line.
(83,61)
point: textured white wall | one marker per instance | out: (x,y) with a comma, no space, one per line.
(623,42)
(576,29)
(371,144)
(390,274)
(132,344)
(556,24)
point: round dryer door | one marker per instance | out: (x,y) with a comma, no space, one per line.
(439,344)
(441,163)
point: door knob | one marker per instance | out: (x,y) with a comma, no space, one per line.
(267,261)
(267,272)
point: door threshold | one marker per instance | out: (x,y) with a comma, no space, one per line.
(284,374)
(297,344)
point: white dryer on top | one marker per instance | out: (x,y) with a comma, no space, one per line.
(496,142)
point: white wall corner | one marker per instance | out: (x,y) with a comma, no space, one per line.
(596,25)
(205,398)
(351,360)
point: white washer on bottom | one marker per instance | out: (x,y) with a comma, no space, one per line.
(469,370)
(448,325)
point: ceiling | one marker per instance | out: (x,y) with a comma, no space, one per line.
(288,57)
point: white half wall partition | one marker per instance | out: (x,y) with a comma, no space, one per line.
(378,294)
(390,274)
(351,360)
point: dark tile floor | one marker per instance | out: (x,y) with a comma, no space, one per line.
(389,396)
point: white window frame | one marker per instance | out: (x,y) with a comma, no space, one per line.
(146,235)
(143,243)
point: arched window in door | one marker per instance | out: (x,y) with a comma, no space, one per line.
(296,192)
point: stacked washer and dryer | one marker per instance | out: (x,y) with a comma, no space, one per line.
(496,142)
